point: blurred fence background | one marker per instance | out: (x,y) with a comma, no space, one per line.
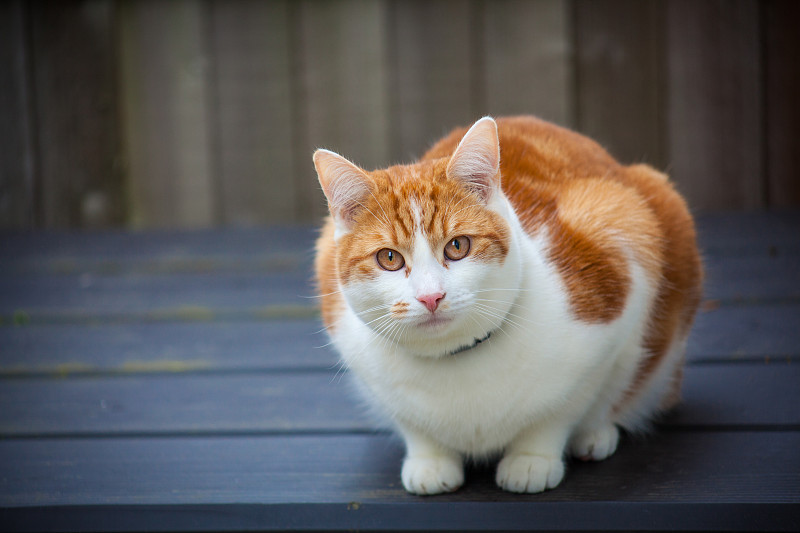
(198,113)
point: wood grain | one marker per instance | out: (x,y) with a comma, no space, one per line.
(252,112)
(619,71)
(167,137)
(686,481)
(186,402)
(715,129)
(527,49)
(121,417)
(343,80)
(433,79)
(74,95)
(17,179)
(782,114)
(164,347)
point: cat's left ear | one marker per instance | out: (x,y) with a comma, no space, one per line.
(476,161)
(345,186)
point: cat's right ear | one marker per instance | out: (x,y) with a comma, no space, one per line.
(344,184)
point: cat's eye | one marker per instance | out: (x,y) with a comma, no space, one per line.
(457,248)
(389,259)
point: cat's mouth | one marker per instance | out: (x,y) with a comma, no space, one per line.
(434,321)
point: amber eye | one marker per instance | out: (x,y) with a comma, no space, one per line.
(457,248)
(389,259)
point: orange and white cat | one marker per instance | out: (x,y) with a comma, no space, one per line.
(516,291)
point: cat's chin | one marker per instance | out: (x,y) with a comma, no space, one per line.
(440,336)
(435,323)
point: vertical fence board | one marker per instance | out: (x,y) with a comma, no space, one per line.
(619,51)
(715,128)
(76,117)
(217,106)
(343,80)
(432,82)
(16,158)
(782,100)
(168,144)
(253,108)
(527,59)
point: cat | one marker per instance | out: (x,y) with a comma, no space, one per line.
(516,293)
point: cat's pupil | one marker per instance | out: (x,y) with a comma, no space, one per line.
(390,256)
(456,244)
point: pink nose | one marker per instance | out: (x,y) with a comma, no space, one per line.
(431,301)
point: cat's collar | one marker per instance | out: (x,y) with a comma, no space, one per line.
(470,346)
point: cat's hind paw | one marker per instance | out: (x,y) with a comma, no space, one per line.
(529,473)
(596,444)
(432,475)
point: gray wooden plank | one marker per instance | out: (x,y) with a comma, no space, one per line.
(715,109)
(744,233)
(189,296)
(16,136)
(253,104)
(112,251)
(76,117)
(752,278)
(529,47)
(739,395)
(722,334)
(619,63)
(721,235)
(720,396)
(678,481)
(738,333)
(179,405)
(158,347)
(167,137)
(729,281)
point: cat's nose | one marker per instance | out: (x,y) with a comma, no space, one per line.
(431,301)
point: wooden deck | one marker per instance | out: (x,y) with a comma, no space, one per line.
(179,381)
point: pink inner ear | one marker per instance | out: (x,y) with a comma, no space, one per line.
(476,161)
(345,185)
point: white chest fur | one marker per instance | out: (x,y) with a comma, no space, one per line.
(542,363)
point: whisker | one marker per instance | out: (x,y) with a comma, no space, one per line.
(464,209)
(503,289)
(386,219)
(313,296)
(373,214)
(493,313)
(509,312)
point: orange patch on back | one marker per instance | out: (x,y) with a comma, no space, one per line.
(568,185)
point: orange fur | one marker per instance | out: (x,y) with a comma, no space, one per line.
(561,183)
(554,177)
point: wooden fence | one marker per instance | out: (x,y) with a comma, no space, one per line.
(195,113)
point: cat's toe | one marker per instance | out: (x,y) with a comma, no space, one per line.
(596,444)
(431,475)
(529,473)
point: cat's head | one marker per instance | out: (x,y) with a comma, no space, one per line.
(424,253)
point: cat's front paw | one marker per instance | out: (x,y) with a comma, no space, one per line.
(432,475)
(529,473)
(596,444)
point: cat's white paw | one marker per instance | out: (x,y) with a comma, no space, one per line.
(529,473)
(596,444)
(432,475)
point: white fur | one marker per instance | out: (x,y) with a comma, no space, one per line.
(544,384)
(543,381)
